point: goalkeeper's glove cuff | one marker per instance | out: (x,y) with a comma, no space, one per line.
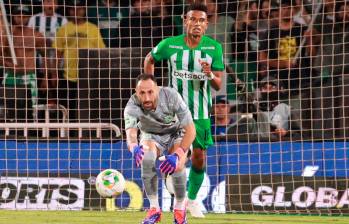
(132,146)
(180,152)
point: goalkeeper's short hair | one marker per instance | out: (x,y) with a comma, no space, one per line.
(143,77)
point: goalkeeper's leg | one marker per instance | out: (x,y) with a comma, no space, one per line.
(150,182)
(179,180)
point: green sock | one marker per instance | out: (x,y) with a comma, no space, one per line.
(196,177)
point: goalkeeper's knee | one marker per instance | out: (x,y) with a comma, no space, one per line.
(179,180)
(148,164)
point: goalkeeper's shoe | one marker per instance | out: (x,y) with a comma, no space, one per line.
(195,209)
(153,216)
(180,216)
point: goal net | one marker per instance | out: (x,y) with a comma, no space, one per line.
(279,121)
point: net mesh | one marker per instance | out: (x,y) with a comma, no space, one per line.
(279,121)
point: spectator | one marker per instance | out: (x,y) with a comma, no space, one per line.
(301,15)
(107,15)
(279,50)
(144,28)
(221,116)
(274,111)
(244,36)
(221,26)
(20,79)
(332,59)
(174,10)
(326,17)
(272,116)
(77,34)
(285,58)
(331,62)
(47,23)
(268,16)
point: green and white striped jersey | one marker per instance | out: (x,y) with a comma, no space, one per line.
(185,72)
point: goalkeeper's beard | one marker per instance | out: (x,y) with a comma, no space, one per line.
(148,105)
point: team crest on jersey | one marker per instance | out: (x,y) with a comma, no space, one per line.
(168,119)
(186,75)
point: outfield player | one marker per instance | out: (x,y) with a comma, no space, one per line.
(166,126)
(195,64)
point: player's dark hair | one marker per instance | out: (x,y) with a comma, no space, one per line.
(143,77)
(196,6)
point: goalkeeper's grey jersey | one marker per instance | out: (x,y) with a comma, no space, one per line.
(170,115)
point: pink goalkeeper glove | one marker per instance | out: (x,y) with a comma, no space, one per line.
(171,162)
(138,153)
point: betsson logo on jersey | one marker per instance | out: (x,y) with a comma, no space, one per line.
(185,75)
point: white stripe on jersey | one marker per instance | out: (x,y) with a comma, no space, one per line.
(42,24)
(173,68)
(205,106)
(185,66)
(196,87)
(205,95)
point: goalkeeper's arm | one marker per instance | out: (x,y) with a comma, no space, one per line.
(131,138)
(189,136)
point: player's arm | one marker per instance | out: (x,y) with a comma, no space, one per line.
(189,136)
(131,129)
(132,137)
(214,76)
(216,81)
(214,72)
(158,53)
(149,64)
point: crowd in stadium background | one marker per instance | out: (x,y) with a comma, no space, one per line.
(300,44)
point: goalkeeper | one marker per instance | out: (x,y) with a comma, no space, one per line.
(165,125)
(195,64)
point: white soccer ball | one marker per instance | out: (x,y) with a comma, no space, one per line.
(110,183)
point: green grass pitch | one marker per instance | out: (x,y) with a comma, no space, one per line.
(120,217)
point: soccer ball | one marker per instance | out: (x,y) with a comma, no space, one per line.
(110,183)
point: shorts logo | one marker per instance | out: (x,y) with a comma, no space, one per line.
(185,75)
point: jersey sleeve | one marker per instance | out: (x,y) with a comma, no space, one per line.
(130,114)
(159,52)
(217,63)
(181,110)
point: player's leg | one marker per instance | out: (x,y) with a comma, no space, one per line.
(150,181)
(179,181)
(196,178)
(197,171)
